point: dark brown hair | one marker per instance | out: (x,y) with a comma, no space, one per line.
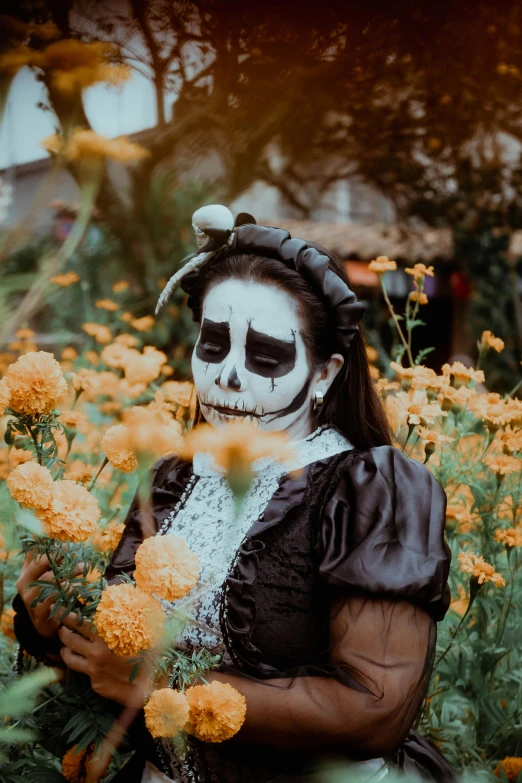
(351,403)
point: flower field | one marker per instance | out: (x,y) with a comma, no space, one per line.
(83,420)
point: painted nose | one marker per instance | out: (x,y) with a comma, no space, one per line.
(229,379)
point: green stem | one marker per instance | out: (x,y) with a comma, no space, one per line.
(411,427)
(95,479)
(514,389)
(511,589)
(396,322)
(459,626)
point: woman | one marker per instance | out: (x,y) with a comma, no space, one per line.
(323,596)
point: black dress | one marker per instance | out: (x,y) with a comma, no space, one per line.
(329,614)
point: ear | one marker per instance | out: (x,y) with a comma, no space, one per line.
(328,374)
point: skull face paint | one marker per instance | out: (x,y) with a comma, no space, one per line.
(250,360)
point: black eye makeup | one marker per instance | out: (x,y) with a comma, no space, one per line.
(214,341)
(267,356)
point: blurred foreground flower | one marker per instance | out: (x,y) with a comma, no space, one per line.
(74,65)
(166,567)
(483,572)
(128,619)
(65,280)
(235,448)
(36,384)
(166,712)
(511,766)
(117,447)
(217,711)
(382,264)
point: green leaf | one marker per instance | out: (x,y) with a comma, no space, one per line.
(20,697)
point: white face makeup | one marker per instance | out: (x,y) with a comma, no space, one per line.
(250,359)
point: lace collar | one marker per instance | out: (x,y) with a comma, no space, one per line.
(323,443)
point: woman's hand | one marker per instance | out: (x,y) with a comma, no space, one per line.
(86,652)
(33,569)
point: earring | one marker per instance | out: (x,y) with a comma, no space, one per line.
(318,400)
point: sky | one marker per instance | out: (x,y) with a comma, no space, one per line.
(112,111)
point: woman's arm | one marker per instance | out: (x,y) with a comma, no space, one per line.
(384,646)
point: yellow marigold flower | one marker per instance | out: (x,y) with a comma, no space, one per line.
(143,368)
(73,513)
(7,624)
(384,385)
(128,340)
(167,370)
(5,396)
(144,324)
(483,572)
(461,375)
(65,280)
(117,447)
(511,440)
(24,334)
(510,537)
(382,264)
(217,711)
(432,436)
(179,392)
(488,340)
(69,353)
(456,515)
(107,538)
(128,619)
(79,472)
(166,567)
(502,464)
(31,485)
(102,334)
(419,296)
(74,765)
(36,383)
(236,446)
(92,357)
(417,408)
(371,353)
(117,355)
(107,304)
(132,390)
(121,285)
(449,397)
(512,766)
(19,457)
(166,712)
(89,146)
(126,317)
(74,419)
(418,271)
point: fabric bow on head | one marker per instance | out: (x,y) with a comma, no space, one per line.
(216,229)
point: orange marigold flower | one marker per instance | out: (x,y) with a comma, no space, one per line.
(79,472)
(117,355)
(74,764)
(166,712)
(179,392)
(126,339)
(5,396)
(217,711)
(419,296)
(510,537)
(32,486)
(153,431)
(144,324)
(24,334)
(456,515)
(371,353)
(117,447)
(107,538)
(166,567)
(127,317)
(128,619)
(382,264)
(107,304)
(418,271)
(167,370)
(69,354)
(73,513)
(511,440)
(92,357)
(461,375)
(74,419)
(502,464)
(488,340)
(65,280)
(483,572)
(143,368)
(102,334)
(36,383)
(120,286)
(512,766)
(19,457)
(7,624)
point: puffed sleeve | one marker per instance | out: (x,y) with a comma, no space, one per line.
(383,532)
